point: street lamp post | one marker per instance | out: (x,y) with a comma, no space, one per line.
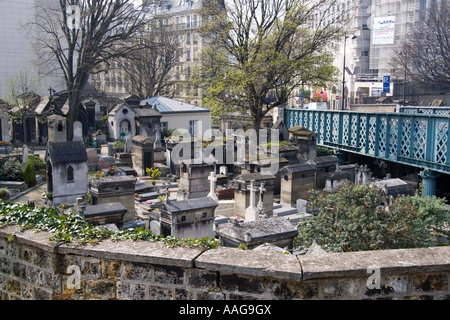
(403,55)
(343,72)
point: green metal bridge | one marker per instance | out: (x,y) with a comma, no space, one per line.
(415,136)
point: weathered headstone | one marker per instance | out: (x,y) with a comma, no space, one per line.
(24,155)
(77,131)
(128,143)
(155,227)
(302,206)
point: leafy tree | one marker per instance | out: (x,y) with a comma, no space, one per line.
(259,51)
(78,46)
(359,218)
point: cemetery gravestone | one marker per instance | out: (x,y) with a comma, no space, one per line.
(77,131)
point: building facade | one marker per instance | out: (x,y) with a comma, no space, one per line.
(182,17)
(17,52)
(376,28)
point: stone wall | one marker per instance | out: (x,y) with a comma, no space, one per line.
(33,268)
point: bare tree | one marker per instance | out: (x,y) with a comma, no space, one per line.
(148,70)
(259,51)
(424,57)
(77,38)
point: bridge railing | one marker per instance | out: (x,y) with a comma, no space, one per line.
(417,139)
(425,110)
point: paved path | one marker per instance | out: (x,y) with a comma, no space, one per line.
(34,194)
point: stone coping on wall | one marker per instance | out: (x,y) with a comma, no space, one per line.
(258,263)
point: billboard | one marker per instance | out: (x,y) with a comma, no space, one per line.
(383,30)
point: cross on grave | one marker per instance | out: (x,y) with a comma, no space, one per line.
(260,206)
(251,213)
(213,180)
(157,132)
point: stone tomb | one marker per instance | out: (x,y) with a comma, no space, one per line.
(335,180)
(305,140)
(242,192)
(115,189)
(57,128)
(277,231)
(324,165)
(142,155)
(193,218)
(194,181)
(67,171)
(296,181)
(103,214)
(394,187)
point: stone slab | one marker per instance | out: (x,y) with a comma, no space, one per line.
(30,237)
(141,252)
(355,264)
(253,263)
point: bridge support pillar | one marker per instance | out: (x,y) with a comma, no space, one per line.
(429,178)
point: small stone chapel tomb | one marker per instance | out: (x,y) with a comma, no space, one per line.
(67,171)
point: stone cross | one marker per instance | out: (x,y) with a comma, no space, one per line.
(260,207)
(157,131)
(212,191)
(251,213)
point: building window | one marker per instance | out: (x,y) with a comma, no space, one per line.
(193,127)
(69,174)
(183,219)
(188,55)
(164,126)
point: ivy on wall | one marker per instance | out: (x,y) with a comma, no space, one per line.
(73,228)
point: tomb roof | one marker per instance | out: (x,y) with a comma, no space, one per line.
(293,168)
(300,131)
(254,177)
(323,160)
(148,112)
(258,230)
(192,204)
(104,209)
(171,106)
(67,151)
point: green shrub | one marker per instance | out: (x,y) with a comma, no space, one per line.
(36,161)
(12,170)
(119,145)
(29,175)
(359,218)
(153,172)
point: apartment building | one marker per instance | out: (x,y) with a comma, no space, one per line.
(183,18)
(16,51)
(376,30)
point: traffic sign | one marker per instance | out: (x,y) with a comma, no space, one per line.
(386,84)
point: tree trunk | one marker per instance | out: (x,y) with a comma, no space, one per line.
(72,116)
